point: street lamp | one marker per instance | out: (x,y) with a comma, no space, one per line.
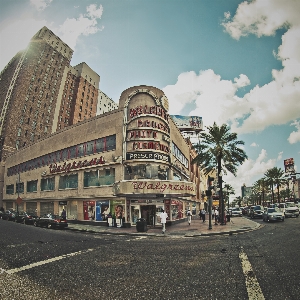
(221,200)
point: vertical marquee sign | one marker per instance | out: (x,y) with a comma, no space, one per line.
(146,127)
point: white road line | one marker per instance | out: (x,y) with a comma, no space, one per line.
(252,285)
(47,261)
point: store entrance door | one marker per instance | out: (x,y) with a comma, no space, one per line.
(148,212)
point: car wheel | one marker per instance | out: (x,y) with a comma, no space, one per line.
(24,222)
(35,224)
(49,226)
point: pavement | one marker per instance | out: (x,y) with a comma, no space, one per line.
(197,228)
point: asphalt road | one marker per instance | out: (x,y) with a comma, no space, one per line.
(38,263)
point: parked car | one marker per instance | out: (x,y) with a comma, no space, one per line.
(25,217)
(256,211)
(291,210)
(236,212)
(51,221)
(273,214)
(9,215)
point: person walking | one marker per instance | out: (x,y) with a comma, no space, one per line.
(189,216)
(63,214)
(203,212)
(216,216)
(163,220)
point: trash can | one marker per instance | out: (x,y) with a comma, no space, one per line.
(141,225)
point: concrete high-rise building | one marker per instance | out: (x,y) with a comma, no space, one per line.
(40,93)
(105,104)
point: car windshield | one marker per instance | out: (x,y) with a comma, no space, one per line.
(271,210)
(257,208)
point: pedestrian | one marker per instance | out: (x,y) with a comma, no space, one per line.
(216,216)
(200,214)
(203,212)
(189,216)
(63,214)
(163,220)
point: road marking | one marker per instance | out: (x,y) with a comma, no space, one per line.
(47,261)
(252,285)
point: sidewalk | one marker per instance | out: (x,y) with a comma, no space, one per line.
(197,228)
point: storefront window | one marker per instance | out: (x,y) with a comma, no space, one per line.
(32,186)
(68,182)
(99,177)
(47,184)
(102,210)
(89,210)
(135,213)
(31,207)
(145,171)
(46,208)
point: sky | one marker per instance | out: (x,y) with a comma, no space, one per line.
(234,62)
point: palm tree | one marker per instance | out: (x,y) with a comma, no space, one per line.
(229,191)
(260,187)
(274,176)
(218,147)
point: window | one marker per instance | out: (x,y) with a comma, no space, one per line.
(32,186)
(10,189)
(19,131)
(48,184)
(99,177)
(68,182)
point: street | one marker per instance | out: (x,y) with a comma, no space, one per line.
(38,263)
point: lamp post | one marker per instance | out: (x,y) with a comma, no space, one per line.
(221,200)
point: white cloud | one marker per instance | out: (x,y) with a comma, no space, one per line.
(214,98)
(275,103)
(254,145)
(295,135)
(40,4)
(250,170)
(17,33)
(85,24)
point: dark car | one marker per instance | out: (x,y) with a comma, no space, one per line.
(25,217)
(256,211)
(51,221)
(9,215)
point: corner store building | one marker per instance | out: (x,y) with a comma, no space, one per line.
(133,161)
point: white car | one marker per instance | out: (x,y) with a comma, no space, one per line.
(272,214)
(236,212)
(291,210)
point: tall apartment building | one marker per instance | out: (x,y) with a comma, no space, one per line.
(105,104)
(41,93)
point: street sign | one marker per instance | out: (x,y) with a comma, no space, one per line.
(19,200)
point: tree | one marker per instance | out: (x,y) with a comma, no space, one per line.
(274,176)
(218,147)
(229,191)
(260,188)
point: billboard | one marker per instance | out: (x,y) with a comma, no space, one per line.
(289,165)
(188,123)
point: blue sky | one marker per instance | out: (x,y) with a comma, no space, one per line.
(233,62)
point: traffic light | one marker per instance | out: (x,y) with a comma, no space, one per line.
(210,183)
(210,186)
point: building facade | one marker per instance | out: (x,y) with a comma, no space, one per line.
(105,103)
(132,162)
(41,93)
